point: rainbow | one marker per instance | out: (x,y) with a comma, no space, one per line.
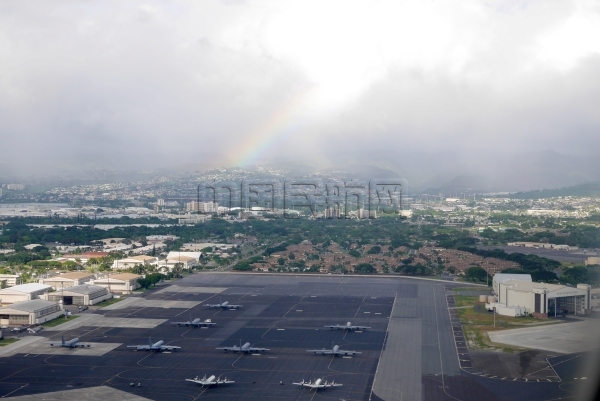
(285,121)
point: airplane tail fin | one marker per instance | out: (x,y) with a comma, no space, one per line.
(150,341)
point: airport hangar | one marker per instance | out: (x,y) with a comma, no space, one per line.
(23,292)
(86,294)
(36,311)
(517,295)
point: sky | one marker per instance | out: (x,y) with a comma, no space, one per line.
(429,89)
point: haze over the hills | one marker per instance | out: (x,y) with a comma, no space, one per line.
(483,95)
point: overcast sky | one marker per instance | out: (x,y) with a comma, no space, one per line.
(144,84)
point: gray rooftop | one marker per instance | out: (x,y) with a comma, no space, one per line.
(85,289)
(30,306)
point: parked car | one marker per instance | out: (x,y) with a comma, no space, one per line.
(17,329)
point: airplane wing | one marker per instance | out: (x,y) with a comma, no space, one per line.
(257,349)
(310,385)
(229,348)
(204,324)
(348,352)
(195,381)
(337,326)
(181,323)
(138,346)
(360,327)
(225,381)
(169,347)
(321,351)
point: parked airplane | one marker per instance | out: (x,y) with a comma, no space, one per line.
(318,384)
(195,323)
(223,305)
(348,326)
(246,348)
(74,343)
(211,381)
(157,346)
(334,351)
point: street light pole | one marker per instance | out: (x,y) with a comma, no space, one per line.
(494,317)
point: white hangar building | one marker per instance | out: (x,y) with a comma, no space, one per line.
(518,298)
(85,294)
(30,312)
(23,292)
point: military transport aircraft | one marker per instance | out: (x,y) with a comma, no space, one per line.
(348,326)
(223,305)
(157,346)
(335,351)
(211,381)
(74,343)
(318,384)
(196,323)
(246,348)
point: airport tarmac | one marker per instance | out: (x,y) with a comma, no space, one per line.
(565,338)
(41,347)
(137,302)
(409,352)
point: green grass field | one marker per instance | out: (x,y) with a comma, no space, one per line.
(477,324)
(109,302)
(7,341)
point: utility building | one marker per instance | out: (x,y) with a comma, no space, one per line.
(30,312)
(85,294)
(23,292)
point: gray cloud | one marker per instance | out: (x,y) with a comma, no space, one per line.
(458,87)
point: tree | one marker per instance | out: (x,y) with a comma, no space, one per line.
(476,273)
(365,268)
(355,253)
(281,261)
(374,250)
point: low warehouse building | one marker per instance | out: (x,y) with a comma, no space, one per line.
(122,283)
(67,280)
(30,312)
(518,298)
(85,294)
(23,292)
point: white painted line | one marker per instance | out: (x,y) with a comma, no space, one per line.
(280,329)
(255,354)
(358,331)
(298,310)
(378,313)
(347,357)
(313,296)
(366,312)
(252,295)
